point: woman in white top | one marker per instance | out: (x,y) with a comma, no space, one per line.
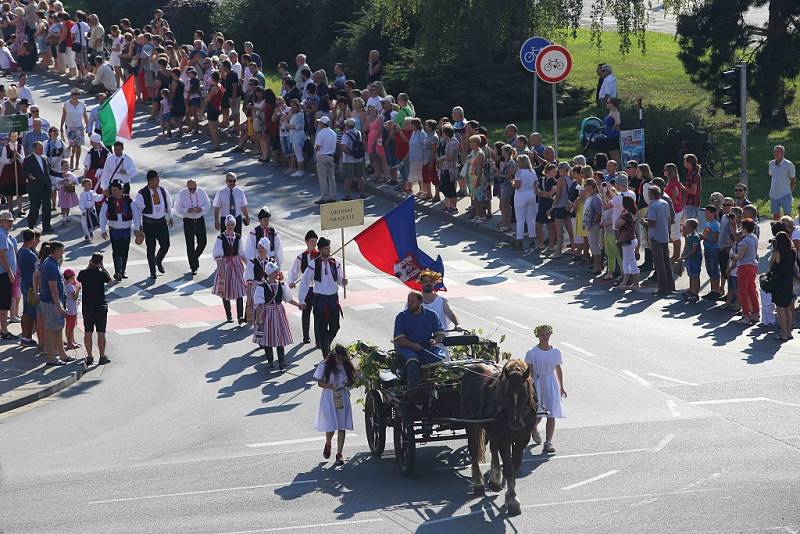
(525,203)
(335,375)
(74,119)
(544,362)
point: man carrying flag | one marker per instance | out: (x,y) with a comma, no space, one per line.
(116,114)
(323,276)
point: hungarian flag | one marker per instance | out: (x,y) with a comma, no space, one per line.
(390,244)
(116,115)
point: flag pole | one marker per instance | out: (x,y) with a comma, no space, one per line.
(344,276)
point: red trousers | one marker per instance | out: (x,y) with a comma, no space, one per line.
(748,295)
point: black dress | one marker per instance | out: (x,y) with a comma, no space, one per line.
(178,103)
(783,271)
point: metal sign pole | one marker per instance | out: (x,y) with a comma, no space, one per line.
(743,121)
(16,181)
(555,121)
(535,99)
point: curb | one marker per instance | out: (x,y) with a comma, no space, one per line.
(42,393)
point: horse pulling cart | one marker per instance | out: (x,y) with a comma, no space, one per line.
(428,413)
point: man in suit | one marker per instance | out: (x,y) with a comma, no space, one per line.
(37,171)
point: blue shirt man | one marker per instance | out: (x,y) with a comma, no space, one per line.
(50,271)
(418,333)
(8,243)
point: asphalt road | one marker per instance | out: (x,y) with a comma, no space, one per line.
(678,421)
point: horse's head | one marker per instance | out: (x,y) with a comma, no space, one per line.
(516,402)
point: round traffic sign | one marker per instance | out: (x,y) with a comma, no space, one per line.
(553,63)
(529,50)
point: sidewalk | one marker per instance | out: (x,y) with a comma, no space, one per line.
(24,377)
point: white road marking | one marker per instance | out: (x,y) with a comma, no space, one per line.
(578,501)
(463,266)
(309,527)
(112,312)
(556,457)
(540,296)
(155,305)
(195,324)
(590,480)
(293,441)
(747,399)
(380,283)
(203,492)
(663,443)
(481,298)
(636,377)
(509,321)
(573,347)
(673,379)
(531,338)
(131,331)
(207,300)
(366,307)
(673,408)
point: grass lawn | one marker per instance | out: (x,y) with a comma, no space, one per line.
(658,78)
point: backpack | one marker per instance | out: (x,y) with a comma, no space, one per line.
(357,150)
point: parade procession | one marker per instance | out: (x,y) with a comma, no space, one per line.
(269,266)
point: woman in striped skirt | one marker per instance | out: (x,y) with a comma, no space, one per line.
(229,281)
(271,325)
(254,275)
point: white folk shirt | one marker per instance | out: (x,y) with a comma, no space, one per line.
(222,201)
(160,206)
(126,173)
(186,199)
(327,285)
(295,270)
(250,272)
(116,223)
(26,93)
(251,247)
(87,199)
(326,141)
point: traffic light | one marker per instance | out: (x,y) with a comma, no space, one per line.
(732,91)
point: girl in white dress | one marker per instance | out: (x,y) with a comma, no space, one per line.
(335,375)
(544,362)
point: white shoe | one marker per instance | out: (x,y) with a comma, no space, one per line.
(537,438)
(297,174)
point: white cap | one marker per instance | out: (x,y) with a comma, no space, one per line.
(230,219)
(95,138)
(324,120)
(271,268)
(263,243)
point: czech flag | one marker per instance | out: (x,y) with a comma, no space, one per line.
(390,244)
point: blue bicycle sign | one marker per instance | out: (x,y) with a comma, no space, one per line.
(529,50)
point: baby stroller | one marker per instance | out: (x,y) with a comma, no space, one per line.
(590,127)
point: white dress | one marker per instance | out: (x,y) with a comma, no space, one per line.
(329,418)
(545,381)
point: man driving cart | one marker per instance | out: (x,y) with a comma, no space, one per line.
(418,335)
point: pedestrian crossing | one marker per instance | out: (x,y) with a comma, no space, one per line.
(189,304)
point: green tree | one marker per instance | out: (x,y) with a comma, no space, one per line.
(713,36)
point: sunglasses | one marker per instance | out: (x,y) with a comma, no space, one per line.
(192,189)
(231,181)
(739,190)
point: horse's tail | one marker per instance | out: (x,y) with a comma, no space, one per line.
(477,439)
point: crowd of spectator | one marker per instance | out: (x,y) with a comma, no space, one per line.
(600,211)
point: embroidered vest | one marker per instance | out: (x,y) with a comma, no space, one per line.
(304,257)
(97,157)
(270,235)
(127,211)
(228,248)
(318,269)
(148,200)
(270,296)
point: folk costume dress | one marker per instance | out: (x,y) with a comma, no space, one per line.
(271,324)
(330,417)
(229,255)
(67,195)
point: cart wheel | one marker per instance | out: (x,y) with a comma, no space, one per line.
(375,420)
(404,445)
